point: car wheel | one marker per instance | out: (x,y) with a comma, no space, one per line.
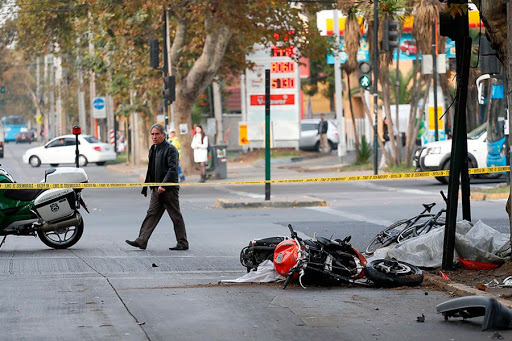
(34,161)
(82,161)
(317,147)
(102,163)
(54,164)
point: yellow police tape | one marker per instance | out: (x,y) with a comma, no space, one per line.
(43,185)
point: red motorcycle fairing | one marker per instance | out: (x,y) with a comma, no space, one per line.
(285,257)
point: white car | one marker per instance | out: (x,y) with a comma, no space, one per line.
(309,138)
(436,155)
(62,150)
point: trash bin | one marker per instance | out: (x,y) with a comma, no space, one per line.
(217,165)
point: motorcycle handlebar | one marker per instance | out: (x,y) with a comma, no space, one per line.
(292,231)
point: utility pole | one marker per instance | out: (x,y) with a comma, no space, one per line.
(375,83)
(51,123)
(38,90)
(434,76)
(165,68)
(81,94)
(92,84)
(169,62)
(457,28)
(342,146)
(509,90)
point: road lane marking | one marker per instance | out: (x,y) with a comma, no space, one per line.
(352,216)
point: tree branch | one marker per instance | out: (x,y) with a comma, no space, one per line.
(178,43)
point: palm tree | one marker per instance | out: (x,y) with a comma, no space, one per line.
(426,17)
(352,37)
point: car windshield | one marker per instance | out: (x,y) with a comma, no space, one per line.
(477,132)
(91,139)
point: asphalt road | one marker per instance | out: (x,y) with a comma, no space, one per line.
(104,289)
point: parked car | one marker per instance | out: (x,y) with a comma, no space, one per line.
(409,47)
(25,136)
(62,150)
(436,155)
(310,139)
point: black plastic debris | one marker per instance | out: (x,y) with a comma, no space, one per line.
(420,318)
(497,336)
(496,315)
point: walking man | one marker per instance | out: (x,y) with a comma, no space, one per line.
(162,168)
(322,130)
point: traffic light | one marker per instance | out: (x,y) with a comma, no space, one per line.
(154,61)
(365,75)
(389,35)
(170,88)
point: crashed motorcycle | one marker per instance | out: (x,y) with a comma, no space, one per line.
(51,214)
(325,261)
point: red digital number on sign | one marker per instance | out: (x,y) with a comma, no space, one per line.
(283,83)
(279,52)
(282,67)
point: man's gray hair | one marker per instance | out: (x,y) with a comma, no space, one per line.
(159,127)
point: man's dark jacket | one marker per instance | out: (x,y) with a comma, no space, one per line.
(322,127)
(163,163)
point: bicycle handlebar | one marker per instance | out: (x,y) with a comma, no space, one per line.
(444,197)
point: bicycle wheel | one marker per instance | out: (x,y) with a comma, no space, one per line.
(414,231)
(419,229)
(387,236)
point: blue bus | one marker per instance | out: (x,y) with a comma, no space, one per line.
(497,128)
(12,126)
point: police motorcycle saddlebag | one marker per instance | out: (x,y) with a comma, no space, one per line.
(56,204)
(258,251)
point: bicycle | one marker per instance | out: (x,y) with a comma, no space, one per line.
(426,227)
(406,228)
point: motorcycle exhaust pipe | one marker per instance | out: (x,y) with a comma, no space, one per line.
(74,221)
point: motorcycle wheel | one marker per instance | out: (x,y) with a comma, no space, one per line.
(62,238)
(392,273)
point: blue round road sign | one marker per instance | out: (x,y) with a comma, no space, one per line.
(99,103)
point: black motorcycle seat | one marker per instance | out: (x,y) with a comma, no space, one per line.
(324,241)
(22,194)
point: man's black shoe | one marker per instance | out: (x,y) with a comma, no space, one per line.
(134,244)
(179,248)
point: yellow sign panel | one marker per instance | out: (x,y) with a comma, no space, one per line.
(432,120)
(242,135)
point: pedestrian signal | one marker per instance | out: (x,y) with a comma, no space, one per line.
(365,80)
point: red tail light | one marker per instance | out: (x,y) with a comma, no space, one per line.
(97,148)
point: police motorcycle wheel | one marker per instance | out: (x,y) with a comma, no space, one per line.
(62,238)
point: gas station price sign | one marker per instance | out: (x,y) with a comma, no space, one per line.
(276,51)
(282,67)
(282,83)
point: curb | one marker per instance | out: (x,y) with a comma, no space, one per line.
(306,201)
(490,196)
(460,289)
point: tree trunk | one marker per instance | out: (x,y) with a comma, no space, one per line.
(356,137)
(384,81)
(217,110)
(182,108)
(379,141)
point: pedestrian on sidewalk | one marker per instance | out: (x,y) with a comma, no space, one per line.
(200,146)
(162,168)
(387,144)
(322,131)
(175,141)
